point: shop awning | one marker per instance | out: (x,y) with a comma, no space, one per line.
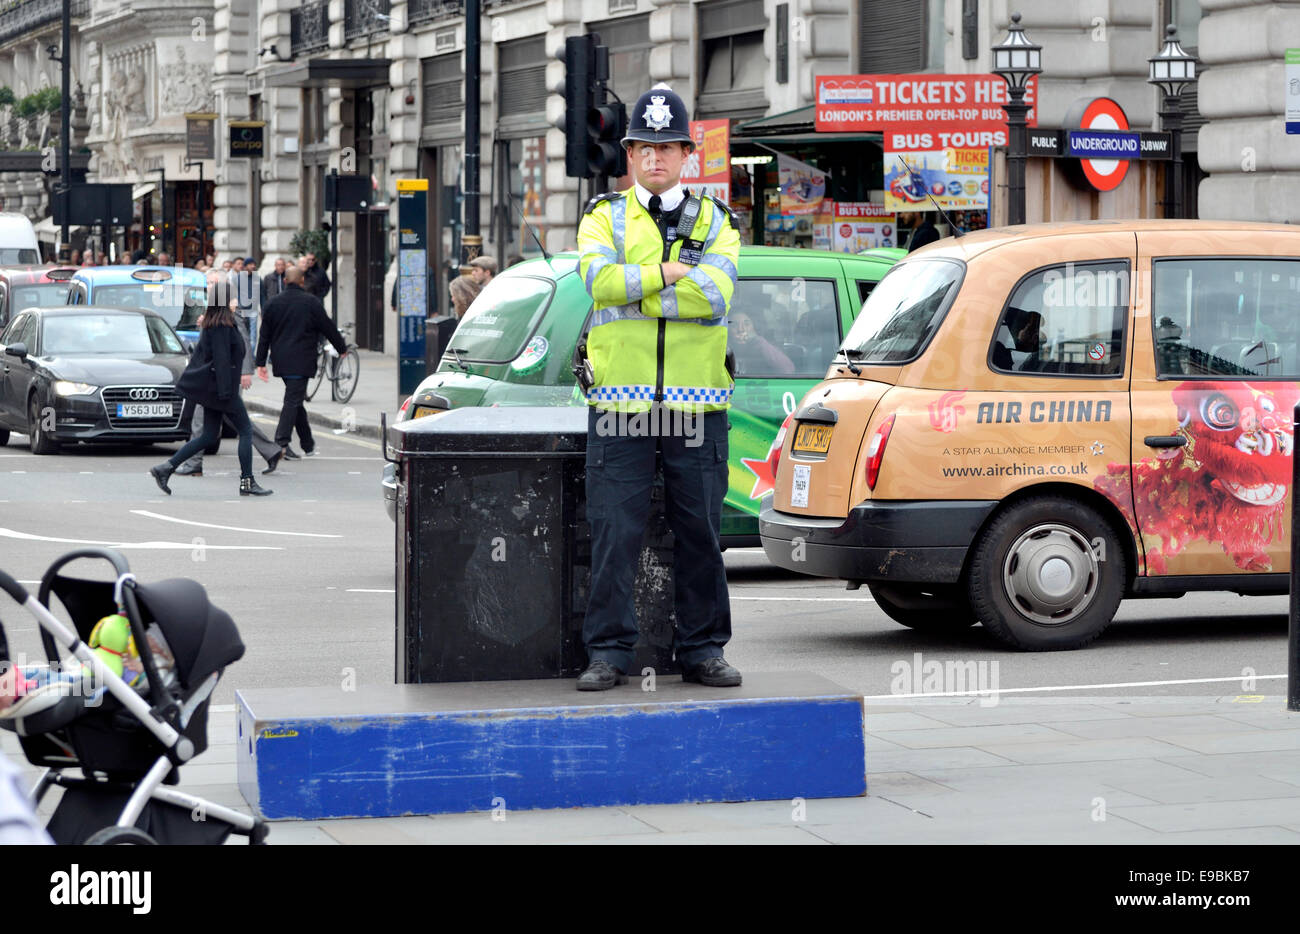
(139,191)
(793,126)
(347,73)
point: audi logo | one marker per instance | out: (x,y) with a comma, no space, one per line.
(142,395)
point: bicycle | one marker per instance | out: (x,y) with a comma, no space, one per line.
(343,371)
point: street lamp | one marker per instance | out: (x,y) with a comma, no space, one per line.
(1016,60)
(1172,70)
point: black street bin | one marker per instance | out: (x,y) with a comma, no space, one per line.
(494,550)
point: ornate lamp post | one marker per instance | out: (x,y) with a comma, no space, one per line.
(1016,60)
(1172,70)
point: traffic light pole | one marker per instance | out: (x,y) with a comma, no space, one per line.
(65,131)
(472,242)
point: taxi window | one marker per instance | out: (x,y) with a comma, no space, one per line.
(1066,320)
(1216,318)
(783,327)
(502,319)
(903,311)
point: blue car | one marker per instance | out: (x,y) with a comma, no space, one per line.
(178,295)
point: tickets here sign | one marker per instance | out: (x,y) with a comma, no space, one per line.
(966,104)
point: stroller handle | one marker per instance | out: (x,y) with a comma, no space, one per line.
(112,557)
(13,588)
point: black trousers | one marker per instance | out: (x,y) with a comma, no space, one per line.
(293,415)
(212,420)
(192,415)
(620,475)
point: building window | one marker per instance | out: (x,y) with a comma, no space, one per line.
(970,30)
(442,78)
(521,85)
(734,65)
(892,36)
(628,40)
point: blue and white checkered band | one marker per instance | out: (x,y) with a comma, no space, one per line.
(700,394)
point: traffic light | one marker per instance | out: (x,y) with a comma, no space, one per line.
(579,98)
(606,125)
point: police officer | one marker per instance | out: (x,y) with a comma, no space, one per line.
(660,264)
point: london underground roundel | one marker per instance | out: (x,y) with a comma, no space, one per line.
(1104,114)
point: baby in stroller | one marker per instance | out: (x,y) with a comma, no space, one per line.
(127,709)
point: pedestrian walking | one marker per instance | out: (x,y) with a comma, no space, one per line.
(247,289)
(293,325)
(273,282)
(482,269)
(264,446)
(212,380)
(315,281)
(660,265)
(463,292)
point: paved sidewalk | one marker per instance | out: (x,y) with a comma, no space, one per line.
(1097,770)
(376,392)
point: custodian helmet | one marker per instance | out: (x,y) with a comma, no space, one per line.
(659,116)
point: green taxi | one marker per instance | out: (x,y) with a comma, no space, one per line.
(791,309)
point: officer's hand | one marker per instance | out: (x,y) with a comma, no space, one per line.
(674,271)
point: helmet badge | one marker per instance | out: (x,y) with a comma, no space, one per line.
(657,114)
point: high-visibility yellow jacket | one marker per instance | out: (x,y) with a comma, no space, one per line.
(649,342)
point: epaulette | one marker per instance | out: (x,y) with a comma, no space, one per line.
(607,196)
(730,213)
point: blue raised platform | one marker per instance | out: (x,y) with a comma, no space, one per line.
(311,753)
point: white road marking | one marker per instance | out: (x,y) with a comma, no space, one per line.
(18,471)
(810,599)
(158,546)
(85,471)
(229,528)
(364,590)
(354,473)
(1077,687)
(222,708)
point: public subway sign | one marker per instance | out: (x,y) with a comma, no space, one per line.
(959,111)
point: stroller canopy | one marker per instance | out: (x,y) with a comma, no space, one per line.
(202,637)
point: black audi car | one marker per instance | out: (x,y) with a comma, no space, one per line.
(90,373)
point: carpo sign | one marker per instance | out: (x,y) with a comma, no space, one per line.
(942,105)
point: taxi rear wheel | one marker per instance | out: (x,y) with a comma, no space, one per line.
(933,609)
(1047,574)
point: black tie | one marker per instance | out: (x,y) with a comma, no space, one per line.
(656,203)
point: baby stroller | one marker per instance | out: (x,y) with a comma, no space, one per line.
(128,747)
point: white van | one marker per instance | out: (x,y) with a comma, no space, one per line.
(18,246)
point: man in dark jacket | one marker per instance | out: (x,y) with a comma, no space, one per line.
(273,282)
(315,279)
(292,326)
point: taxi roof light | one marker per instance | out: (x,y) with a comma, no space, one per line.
(876,453)
(151,275)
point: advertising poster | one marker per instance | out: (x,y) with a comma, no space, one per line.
(802,186)
(858,226)
(708,167)
(965,111)
(958,179)
(1293,90)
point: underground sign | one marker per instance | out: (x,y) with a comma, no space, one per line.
(1103,131)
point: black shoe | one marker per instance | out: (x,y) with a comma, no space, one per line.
(291,454)
(273,462)
(161,473)
(189,470)
(715,672)
(248,487)
(600,676)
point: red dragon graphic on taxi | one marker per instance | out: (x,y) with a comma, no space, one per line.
(1228,484)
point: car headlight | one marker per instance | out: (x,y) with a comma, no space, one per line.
(64,388)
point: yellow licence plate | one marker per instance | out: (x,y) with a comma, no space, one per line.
(813,439)
(423,410)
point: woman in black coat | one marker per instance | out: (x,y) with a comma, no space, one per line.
(213,379)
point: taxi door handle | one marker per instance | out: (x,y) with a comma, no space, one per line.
(1164,441)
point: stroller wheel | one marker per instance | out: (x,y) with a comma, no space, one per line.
(120,836)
